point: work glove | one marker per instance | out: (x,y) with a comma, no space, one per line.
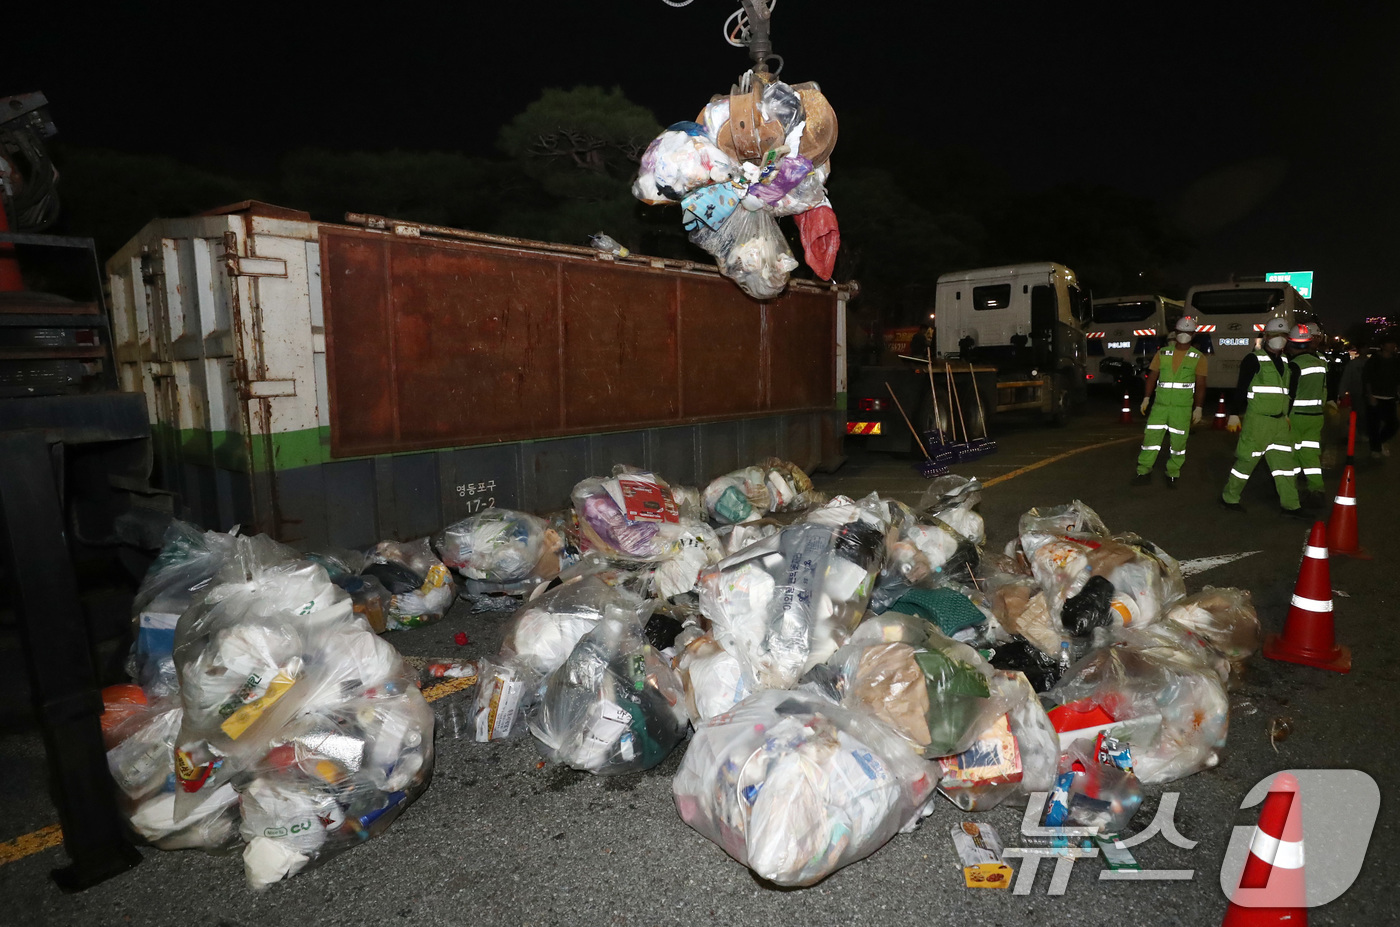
(1332,406)
(1196,416)
(1145,402)
(1232,424)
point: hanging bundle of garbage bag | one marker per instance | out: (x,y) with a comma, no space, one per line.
(795,786)
(759,153)
(786,603)
(615,705)
(294,728)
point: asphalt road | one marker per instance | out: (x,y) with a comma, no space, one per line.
(499,840)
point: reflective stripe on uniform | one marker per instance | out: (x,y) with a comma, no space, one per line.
(1307,402)
(1316,445)
(1267,389)
(1155,427)
(1312,605)
(1175,431)
(1279,447)
(1179,453)
(1234,472)
(1162,385)
(1312,471)
(1307,370)
(1293,472)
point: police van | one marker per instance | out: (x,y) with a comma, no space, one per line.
(1125,333)
(1231,319)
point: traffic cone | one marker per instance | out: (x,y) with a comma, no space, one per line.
(1307,632)
(1273,888)
(1341,525)
(1126,416)
(1220,416)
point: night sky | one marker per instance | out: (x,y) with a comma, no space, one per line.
(1268,131)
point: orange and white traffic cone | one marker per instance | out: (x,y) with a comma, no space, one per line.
(1126,416)
(1273,889)
(1220,417)
(1308,636)
(1342,536)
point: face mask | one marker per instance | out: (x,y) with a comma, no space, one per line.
(1277,342)
(1183,338)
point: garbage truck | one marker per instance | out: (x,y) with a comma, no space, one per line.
(341,383)
(1126,333)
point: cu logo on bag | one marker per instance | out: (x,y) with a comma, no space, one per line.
(1333,810)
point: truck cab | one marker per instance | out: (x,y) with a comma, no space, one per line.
(1125,333)
(1027,320)
(1231,317)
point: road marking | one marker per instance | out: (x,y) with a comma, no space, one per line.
(48,837)
(1201,564)
(29,844)
(1057,458)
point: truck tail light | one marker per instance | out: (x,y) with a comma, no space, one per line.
(870,405)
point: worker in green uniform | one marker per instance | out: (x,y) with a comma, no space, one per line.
(1267,381)
(1308,401)
(1177,379)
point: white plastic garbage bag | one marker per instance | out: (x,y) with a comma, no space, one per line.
(784,604)
(615,705)
(794,786)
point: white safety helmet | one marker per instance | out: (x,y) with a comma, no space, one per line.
(1186,324)
(1276,326)
(1301,334)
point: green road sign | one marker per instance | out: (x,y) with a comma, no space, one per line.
(1301,280)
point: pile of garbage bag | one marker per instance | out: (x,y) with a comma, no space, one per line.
(845,660)
(273,717)
(757,154)
(837,663)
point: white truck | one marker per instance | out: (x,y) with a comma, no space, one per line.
(1231,316)
(1026,320)
(1125,334)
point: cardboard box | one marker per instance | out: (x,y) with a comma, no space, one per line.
(979,850)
